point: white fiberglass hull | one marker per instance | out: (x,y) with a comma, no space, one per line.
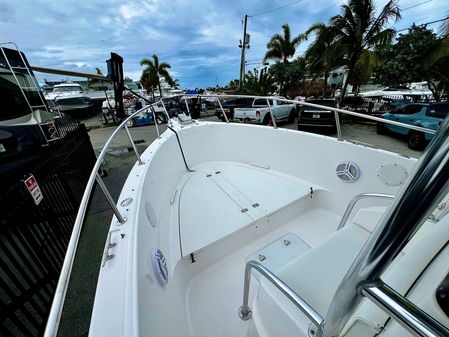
(254,192)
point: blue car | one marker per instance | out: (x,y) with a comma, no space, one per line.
(426,115)
(146,118)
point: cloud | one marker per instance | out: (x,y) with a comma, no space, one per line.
(198,38)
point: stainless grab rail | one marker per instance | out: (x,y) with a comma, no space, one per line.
(245,312)
(355,200)
(415,320)
(54,316)
(346,112)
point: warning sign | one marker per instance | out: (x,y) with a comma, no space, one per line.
(34,189)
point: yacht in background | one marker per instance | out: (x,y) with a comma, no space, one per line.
(70,98)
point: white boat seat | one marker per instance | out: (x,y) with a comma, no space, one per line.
(369,217)
(316,276)
(221,198)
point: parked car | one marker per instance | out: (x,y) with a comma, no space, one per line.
(426,115)
(146,117)
(318,119)
(229,106)
(259,112)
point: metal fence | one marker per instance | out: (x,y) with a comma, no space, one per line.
(376,106)
(34,238)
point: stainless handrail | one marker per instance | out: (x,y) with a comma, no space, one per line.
(222,110)
(54,316)
(346,112)
(338,125)
(415,320)
(244,310)
(271,114)
(139,160)
(355,200)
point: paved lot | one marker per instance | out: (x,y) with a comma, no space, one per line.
(76,316)
(359,132)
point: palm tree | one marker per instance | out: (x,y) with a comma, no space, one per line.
(149,81)
(322,54)
(282,48)
(175,84)
(155,70)
(92,81)
(358,33)
(258,84)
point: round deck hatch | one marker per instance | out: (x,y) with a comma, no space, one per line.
(392,174)
(159,266)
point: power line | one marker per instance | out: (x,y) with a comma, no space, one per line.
(421,3)
(424,24)
(276,8)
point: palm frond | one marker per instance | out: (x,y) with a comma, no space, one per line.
(273,54)
(146,62)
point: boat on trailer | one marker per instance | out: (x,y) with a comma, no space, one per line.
(227,229)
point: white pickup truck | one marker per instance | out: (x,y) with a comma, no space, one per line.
(260,112)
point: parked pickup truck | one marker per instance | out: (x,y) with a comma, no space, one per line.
(260,113)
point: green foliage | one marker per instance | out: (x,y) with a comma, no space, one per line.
(233,85)
(323,55)
(287,74)
(154,69)
(261,84)
(417,56)
(403,62)
(92,81)
(282,47)
(358,32)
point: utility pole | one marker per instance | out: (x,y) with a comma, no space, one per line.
(243,43)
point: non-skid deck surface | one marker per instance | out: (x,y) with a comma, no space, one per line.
(220,198)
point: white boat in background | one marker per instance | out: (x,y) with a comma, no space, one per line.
(70,98)
(220,231)
(419,90)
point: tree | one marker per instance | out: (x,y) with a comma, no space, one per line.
(92,81)
(149,80)
(258,84)
(155,70)
(417,56)
(175,84)
(281,48)
(322,55)
(358,33)
(288,74)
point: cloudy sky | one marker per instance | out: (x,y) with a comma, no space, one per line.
(198,38)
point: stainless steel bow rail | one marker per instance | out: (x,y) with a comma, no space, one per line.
(61,289)
(54,317)
(336,111)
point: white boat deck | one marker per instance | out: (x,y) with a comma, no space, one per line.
(263,206)
(226,276)
(221,198)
